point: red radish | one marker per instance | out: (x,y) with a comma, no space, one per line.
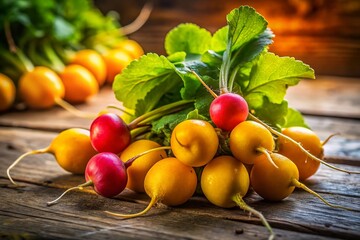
(106,173)
(109,133)
(228,110)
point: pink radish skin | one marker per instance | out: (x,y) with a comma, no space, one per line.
(107,173)
(109,133)
(228,110)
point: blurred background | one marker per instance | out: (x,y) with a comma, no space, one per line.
(323,33)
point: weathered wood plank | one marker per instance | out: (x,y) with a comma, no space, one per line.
(81,215)
(327,96)
(301,212)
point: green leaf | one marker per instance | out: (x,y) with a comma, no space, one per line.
(212,58)
(253,48)
(272,75)
(145,81)
(162,128)
(244,24)
(204,98)
(271,113)
(219,39)
(195,115)
(63,30)
(177,57)
(189,38)
(294,119)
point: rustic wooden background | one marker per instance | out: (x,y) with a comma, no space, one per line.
(322,33)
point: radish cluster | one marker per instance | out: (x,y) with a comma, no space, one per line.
(271,163)
(222,154)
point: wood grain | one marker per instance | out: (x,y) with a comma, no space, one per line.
(82,216)
(300,216)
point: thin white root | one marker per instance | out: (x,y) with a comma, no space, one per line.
(139,21)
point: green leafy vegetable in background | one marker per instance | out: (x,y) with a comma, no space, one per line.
(233,59)
(48,32)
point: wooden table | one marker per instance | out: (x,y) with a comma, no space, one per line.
(330,105)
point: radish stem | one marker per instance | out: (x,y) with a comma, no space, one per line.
(120,109)
(205,85)
(159,112)
(70,108)
(151,204)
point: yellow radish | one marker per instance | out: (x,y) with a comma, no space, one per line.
(225,181)
(7,92)
(139,168)
(170,182)
(194,142)
(310,141)
(72,150)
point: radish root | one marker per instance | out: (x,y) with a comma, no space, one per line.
(70,108)
(81,186)
(153,201)
(139,21)
(328,138)
(242,204)
(298,184)
(39,151)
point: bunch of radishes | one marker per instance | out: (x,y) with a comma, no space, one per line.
(113,158)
